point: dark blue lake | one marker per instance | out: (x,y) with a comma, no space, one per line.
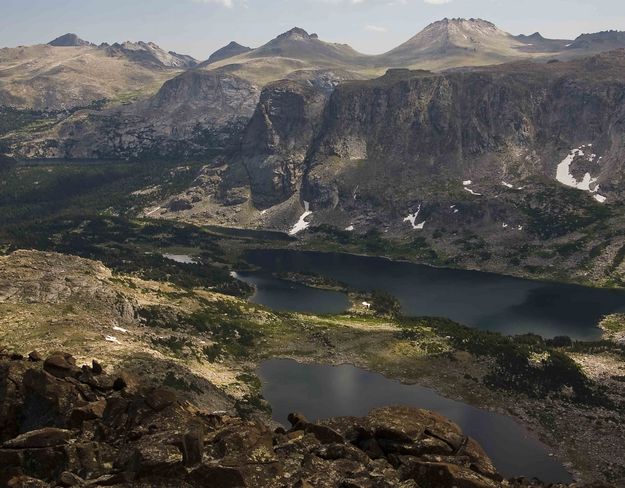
(483,300)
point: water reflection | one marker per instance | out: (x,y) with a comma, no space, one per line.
(320,391)
(286,295)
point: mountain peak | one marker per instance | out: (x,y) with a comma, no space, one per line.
(466,23)
(149,54)
(536,36)
(297,33)
(67,40)
(230,50)
(455,37)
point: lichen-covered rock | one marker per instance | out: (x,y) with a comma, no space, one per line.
(42,277)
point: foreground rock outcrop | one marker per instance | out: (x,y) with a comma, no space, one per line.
(65,425)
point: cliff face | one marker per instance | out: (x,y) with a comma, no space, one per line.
(197,112)
(277,139)
(493,124)
(509,156)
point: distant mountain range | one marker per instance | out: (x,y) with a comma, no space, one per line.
(449,43)
(71,72)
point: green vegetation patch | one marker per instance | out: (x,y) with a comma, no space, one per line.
(526,364)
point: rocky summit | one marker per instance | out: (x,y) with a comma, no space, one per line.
(69,40)
(68,425)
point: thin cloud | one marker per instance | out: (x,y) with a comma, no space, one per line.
(375,28)
(224,3)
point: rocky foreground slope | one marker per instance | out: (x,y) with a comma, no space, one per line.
(69,425)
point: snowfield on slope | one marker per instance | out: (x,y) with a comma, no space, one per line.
(302,223)
(588,183)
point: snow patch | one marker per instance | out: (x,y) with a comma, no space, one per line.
(412,218)
(120,329)
(302,223)
(510,186)
(467,182)
(367,305)
(473,192)
(600,198)
(112,339)
(350,228)
(564,176)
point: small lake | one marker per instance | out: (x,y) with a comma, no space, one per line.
(484,300)
(320,391)
(285,295)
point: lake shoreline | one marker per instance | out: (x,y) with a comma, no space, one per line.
(509,305)
(276,374)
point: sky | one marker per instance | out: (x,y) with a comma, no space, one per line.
(199,27)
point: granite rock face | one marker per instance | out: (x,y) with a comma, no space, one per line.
(410,130)
(277,139)
(198,112)
(27,277)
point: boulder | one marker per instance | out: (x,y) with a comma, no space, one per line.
(26,482)
(159,399)
(61,365)
(244,443)
(99,382)
(46,437)
(153,457)
(96,367)
(323,433)
(68,479)
(193,446)
(218,476)
(91,411)
(434,475)
(34,356)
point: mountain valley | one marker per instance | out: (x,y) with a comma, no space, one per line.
(139,186)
